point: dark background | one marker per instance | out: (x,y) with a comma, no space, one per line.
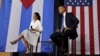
(57,16)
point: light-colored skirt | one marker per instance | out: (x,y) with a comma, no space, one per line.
(31,37)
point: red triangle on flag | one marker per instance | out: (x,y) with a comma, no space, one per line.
(27,3)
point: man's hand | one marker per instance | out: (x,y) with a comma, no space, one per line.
(66,29)
(57,30)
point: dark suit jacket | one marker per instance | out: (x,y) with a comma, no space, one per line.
(71,22)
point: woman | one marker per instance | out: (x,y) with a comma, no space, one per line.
(31,36)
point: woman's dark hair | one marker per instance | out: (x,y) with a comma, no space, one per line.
(38,15)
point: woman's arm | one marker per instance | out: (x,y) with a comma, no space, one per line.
(30,26)
(39,28)
(36,30)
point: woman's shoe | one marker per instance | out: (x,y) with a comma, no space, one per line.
(27,51)
(13,42)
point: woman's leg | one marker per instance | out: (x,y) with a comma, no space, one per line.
(26,45)
(15,41)
(25,42)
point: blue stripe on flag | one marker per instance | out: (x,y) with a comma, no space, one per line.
(24,24)
(4,23)
(48,18)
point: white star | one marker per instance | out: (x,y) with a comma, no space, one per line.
(77,3)
(85,0)
(70,0)
(82,3)
(72,3)
(88,3)
(75,0)
(67,3)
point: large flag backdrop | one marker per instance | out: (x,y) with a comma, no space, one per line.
(16,15)
(87,11)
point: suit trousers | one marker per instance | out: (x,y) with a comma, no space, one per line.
(61,39)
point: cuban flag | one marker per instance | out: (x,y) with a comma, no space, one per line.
(16,15)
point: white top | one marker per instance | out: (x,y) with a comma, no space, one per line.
(32,37)
(64,22)
(36,25)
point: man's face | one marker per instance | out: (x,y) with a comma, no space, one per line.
(61,10)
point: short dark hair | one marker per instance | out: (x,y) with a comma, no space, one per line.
(62,6)
(38,15)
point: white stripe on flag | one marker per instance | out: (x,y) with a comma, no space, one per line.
(78,30)
(0,3)
(14,24)
(87,39)
(95,20)
(69,9)
(38,7)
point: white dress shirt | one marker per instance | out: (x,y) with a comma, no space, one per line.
(64,20)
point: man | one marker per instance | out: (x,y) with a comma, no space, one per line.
(66,28)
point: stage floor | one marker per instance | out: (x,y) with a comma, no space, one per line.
(5,54)
(34,54)
(46,54)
